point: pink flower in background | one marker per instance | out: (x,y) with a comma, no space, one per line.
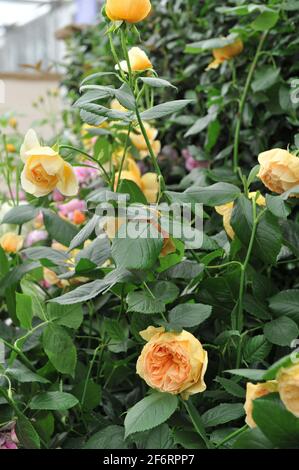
(73,211)
(84,174)
(57,196)
(191,163)
(35,236)
(8,439)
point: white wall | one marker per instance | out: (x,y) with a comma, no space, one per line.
(36,41)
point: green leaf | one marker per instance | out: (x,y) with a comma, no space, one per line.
(118,334)
(150,412)
(44,254)
(209,44)
(16,274)
(256,308)
(134,192)
(112,437)
(165,291)
(88,393)
(145,242)
(165,109)
(37,295)
(159,438)
(231,387)
(265,78)
(252,374)
(268,238)
(201,124)
(97,252)
(4,264)
(19,215)
(252,439)
(24,310)
(281,331)
(277,206)
(253,175)
(143,302)
(53,401)
(286,303)
(256,349)
(290,231)
(27,435)
(60,349)
(59,229)
(85,232)
(213,195)
(93,289)
(188,315)
(156,82)
(222,414)
(66,315)
(279,425)
(265,21)
(22,374)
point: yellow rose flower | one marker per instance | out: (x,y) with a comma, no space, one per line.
(116,106)
(10,242)
(279,170)
(131,11)
(53,280)
(10,148)
(45,170)
(138,61)
(139,142)
(13,123)
(226,211)
(172,362)
(288,388)
(148,183)
(254,391)
(222,54)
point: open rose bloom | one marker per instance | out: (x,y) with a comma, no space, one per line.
(148,183)
(254,391)
(279,170)
(172,362)
(288,388)
(45,170)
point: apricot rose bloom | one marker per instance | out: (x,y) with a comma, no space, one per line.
(139,142)
(138,61)
(226,211)
(172,362)
(288,388)
(223,54)
(148,183)
(279,170)
(254,391)
(10,242)
(45,170)
(131,11)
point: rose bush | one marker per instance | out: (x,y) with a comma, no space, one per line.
(129,326)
